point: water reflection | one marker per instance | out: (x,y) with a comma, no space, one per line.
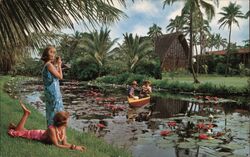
(107,115)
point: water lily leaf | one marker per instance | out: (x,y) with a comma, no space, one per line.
(165,144)
(144,140)
(177,118)
(188,145)
(235,155)
(208,144)
(172,137)
(191,140)
(222,154)
(232,146)
(199,118)
(196,134)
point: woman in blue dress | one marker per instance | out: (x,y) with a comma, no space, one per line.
(51,76)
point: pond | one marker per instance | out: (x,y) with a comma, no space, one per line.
(174,126)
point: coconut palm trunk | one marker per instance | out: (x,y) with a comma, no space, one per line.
(228,50)
(191,48)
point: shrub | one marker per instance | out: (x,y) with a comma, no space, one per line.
(125,78)
(30,67)
(220,68)
(151,69)
(83,70)
(206,88)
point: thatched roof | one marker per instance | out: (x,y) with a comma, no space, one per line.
(164,42)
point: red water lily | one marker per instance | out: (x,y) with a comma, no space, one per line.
(219,134)
(171,124)
(101,125)
(209,126)
(215,98)
(207,98)
(201,126)
(203,136)
(165,132)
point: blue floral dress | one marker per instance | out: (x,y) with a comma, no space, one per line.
(53,97)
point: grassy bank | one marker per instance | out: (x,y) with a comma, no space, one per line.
(18,147)
(235,81)
(209,84)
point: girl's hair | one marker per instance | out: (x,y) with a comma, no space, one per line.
(61,118)
(45,55)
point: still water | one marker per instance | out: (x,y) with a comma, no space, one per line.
(170,126)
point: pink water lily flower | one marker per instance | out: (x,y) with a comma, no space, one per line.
(100,125)
(171,123)
(165,132)
(203,136)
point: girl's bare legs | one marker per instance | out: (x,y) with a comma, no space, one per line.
(26,113)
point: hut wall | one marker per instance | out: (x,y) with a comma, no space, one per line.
(175,58)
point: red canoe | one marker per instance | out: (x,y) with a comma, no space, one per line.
(138,102)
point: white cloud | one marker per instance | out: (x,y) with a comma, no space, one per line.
(147,7)
(174,14)
(236,31)
(140,30)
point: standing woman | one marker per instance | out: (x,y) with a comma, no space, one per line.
(51,76)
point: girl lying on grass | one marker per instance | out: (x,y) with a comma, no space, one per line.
(55,134)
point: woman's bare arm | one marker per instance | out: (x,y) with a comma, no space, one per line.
(55,72)
(53,139)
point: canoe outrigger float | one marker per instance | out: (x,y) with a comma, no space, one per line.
(138,102)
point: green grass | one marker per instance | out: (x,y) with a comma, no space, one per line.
(19,147)
(235,81)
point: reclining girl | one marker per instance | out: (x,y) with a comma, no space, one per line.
(55,134)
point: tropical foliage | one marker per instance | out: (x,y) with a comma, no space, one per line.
(99,46)
(154,31)
(135,49)
(193,8)
(230,15)
(23,22)
(19,18)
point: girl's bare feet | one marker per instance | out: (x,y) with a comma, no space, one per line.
(24,107)
(12,126)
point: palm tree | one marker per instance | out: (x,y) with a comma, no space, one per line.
(18,18)
(190,6)
(135,49)
(247,14)
(230,15)
(219,41)
(176,25)
(99,45)
(154,31)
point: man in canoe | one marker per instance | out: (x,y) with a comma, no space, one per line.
(131,90)
(146,89)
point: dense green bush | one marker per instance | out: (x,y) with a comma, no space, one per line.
(31,67)
(149,68)
(220,68)
(125,78)
(83,70)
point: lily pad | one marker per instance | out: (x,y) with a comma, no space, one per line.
(199,118)
(232,146)
(172,137)
(222,154)
(208,144)
(165,144)
(187,145)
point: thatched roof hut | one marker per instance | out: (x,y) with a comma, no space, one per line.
(173,51)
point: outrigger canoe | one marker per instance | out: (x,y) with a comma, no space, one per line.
(138,102)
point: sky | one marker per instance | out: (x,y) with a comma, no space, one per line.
(142,14)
